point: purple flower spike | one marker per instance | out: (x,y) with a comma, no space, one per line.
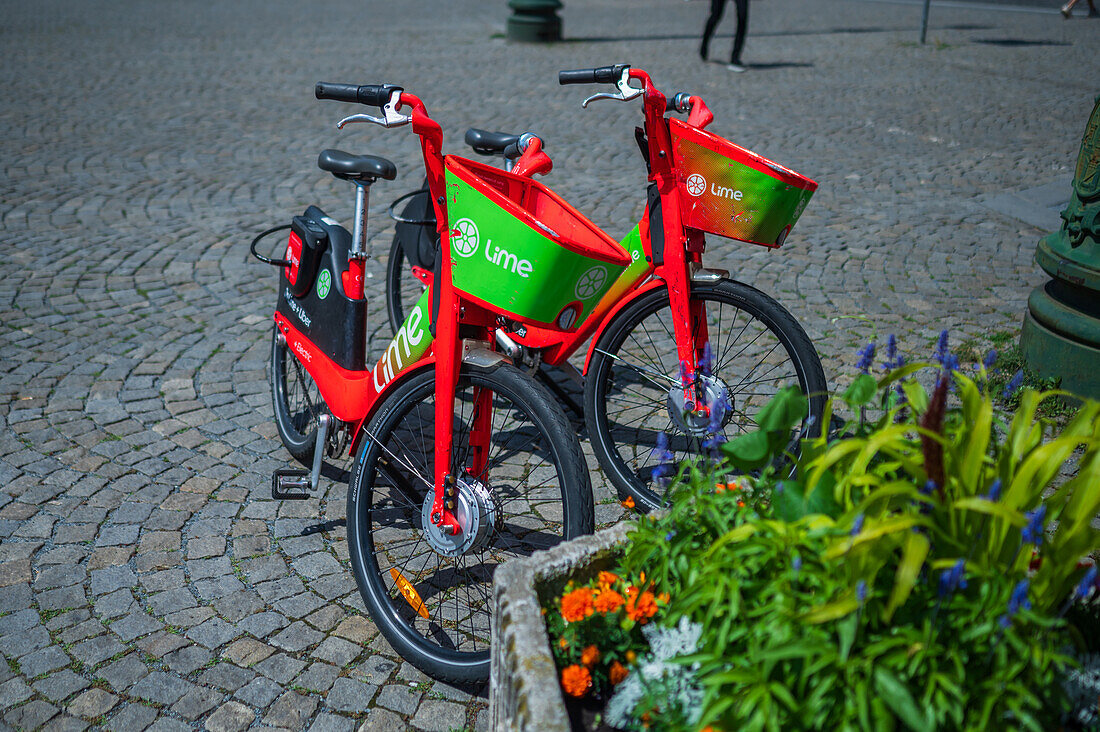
(857,524)
(1033,532)
(990,359)
(953,579)
(861,591)
(1086,585)
(660,450)
(994,494)
(891,349)
(1012,386)
(941,347)
(1018,601)
(706,363)
(866,357)
(950,363)
(685,377)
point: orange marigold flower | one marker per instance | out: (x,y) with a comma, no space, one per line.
(641,607)
(608,601)
(740,504)
(617,673)
(608,578)
(629,502)
(663,597)
(563,643)
(576,680)
(630,656)
(577,605)
(590,656)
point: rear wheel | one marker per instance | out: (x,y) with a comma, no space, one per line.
(632,391)
(296,401)
(417,240)
(430,592)
(403,289)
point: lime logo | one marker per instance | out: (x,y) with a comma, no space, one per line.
(696,184)
(324,283)
(589,283)
(464,238)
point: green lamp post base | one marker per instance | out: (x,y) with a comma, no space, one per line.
(1061,333)
(534,21)
(1054,356)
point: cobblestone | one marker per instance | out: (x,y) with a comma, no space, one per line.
(141,561)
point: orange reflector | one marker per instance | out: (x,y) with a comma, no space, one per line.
(411,595)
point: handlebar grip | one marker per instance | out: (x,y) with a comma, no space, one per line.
(375,95)
(338,92)
(602,75)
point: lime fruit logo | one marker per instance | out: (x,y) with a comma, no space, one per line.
(589,283)
(464,238)
(696,184)
(324,283)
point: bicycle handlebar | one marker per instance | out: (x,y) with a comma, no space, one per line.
(601,75)
(375,95)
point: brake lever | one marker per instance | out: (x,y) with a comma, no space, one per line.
(390,116)
(625,92)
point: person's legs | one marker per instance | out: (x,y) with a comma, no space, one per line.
(716,8)
(1069,7)
(742,28)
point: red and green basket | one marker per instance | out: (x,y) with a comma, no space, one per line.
(733,192)
(519,249)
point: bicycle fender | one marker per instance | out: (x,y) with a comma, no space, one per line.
(359,432)
(648,287)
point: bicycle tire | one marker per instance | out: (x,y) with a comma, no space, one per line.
(619,392)
(296,401)
(537,494)
(403,288)
(413,243)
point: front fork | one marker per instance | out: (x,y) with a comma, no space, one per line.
(689,322)
(448,350)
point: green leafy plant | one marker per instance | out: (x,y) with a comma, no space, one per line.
(898,575)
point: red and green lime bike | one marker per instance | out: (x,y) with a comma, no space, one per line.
(670,339)
(462,461)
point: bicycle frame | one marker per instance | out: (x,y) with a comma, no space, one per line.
(353,396)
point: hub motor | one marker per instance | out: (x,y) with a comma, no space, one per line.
(476,511)
(695,422)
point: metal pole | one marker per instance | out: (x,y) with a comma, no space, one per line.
(924,21)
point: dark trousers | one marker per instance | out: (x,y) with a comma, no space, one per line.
(716,9)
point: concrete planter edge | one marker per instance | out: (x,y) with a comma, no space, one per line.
(523,681)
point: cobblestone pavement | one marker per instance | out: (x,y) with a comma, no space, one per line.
(146,578)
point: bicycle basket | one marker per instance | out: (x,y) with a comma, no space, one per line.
(730,191)
(519,249)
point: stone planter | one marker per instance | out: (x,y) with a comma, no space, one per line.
(524,693)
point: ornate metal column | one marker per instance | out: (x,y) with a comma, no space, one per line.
(1061,332)
(534,21)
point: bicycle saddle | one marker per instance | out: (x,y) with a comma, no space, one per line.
(489,143)
(356,167)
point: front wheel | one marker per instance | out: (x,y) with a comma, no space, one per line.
(430,592)
(632,392)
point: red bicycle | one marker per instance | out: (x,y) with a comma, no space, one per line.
(462,461)
(676,348)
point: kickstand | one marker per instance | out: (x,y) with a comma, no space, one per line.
(296,483)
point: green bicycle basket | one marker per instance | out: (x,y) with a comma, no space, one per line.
(519,249)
